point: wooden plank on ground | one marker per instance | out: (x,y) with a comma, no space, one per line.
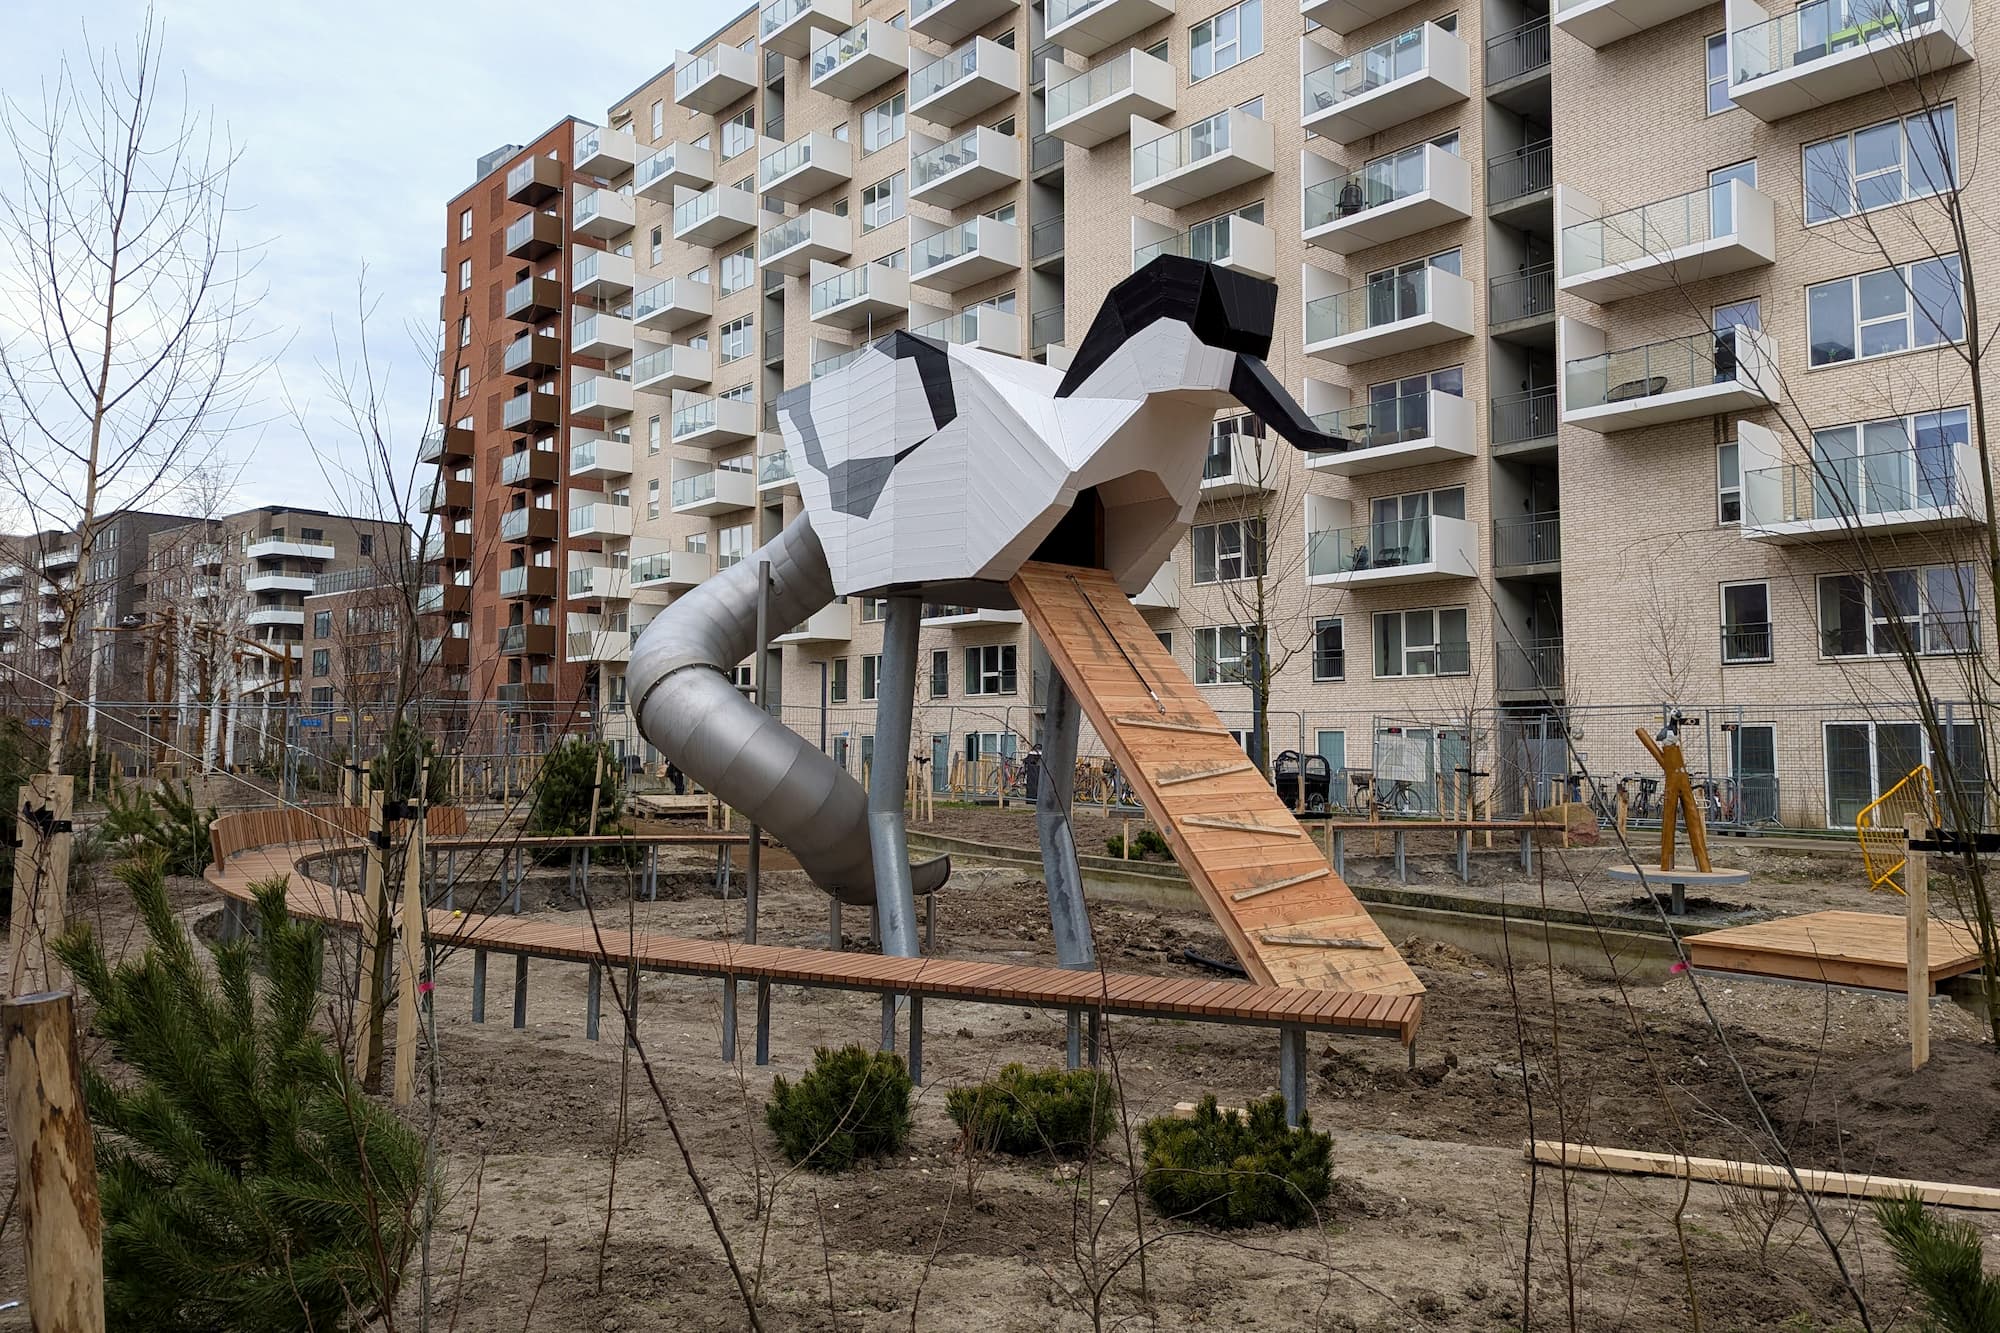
(1758,1175)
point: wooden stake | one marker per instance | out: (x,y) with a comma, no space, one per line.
(1917,940)
(410,950)
(1581,1156)
(62,1227)
(373,1001)
(41,883)
(1125,829)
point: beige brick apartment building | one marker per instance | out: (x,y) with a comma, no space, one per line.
(1589,291)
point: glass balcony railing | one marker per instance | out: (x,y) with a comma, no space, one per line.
(700,209)
(849,285)
(697,71)
(944,246)
(935,163)
(699,415)
(1045,238)
(1854,488)
(654,299)
(1364,71)
(1183,148)
(1650,231)
(786,235)
(1373,186)
(694,490)
(514,523)
(776,166)
(1089,88)
(655,567)
(1381,423)
(654,364)
(1820,29)
(940,74)
(517,580)
(1045,327)
(653,166)
(1212,241)
(1384,301)
(775,467)
(961,328)
(778,13)
(1062,11)
(1367,546)
(826,365)
(1668,366)
(842,51)
(590,204)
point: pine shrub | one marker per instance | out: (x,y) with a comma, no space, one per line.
(1942,1260)
(246,1182)
(852,1103)
(1146,842)
(1231,1171)
(1023,1112)
(167,822)
(394,771)
(569,774)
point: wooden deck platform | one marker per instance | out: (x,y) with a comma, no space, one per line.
(1837,948)
(1289,917)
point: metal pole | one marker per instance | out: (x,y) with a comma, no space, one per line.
(1054,787)
(822,707)
(761,680)
(896,698)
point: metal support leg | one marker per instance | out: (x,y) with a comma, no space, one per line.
(1464,856)
(917,1040)
(1340,853)
(729,1020)
(888,782)
(1402,858)
(593,997)
(632,1004)
(750,878)
(1093,1035)
(652,873)
(451,881)
(888,1020)
(722,871)
(570,887)
(520,873)
(760,669)
(1527,852)
(833,924)
(930,923)
(520,990)
(1292,1071)
(763,1022)
(586,874)
(479,985)
(1068,917)
(1073,1039)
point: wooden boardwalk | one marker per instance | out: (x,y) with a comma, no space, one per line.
(1264,880)
(1838,948)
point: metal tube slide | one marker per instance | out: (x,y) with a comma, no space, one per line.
(687,706)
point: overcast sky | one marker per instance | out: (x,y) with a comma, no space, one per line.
(356,121)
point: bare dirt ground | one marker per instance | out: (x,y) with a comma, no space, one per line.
(1427,1227)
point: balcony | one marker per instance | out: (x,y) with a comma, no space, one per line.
(532,299)
(449,547)
(444,599)
(1094,106)
(448,444)
(593,579)
(533,354)
(599,459)
(965,617)
(855,297)
(1344,16)
(960,256)
(1046,240)
(528,581)
(1227,242)
(266,548)
(1725,228)
(598,396)
(1677,379)
(985,327)
(533,235)
(1523,423)
(1517,182)
(958,171)
(1238,465)
(719,76)
(1088,26)
(671,569)
(1390,199)
(1390,433)
(803,169)
(704,423)
(1881,493)
(1534,668)
(674,166)
(796,26)
(1175,168)
(1599,23)
(594,638)
(528,524)
(1162,592)
(1398,313)
(832,623)
(600,275)
(775,474)
(860,60)
(1522,303)
(605,152)
(602,213)
(443,496)
(1045,328)
(516,693)
(796,244)
(598,520)
(715,217)
(715,491)
(273,617)
(594,333)
(1390,83)
(281,581)
(1832,50)
(673,304)
(1413,550)
(527,640)
(533,179)
(1527,546)
(955,20)
(675,367)
(530,467)
(952,89)
(449,650)
(1517,61)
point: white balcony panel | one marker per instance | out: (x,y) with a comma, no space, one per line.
(957,257)
(1385,201)
(1417,550)
(949,90)
(598,458)
(1096,105)
(832,623)
(677,366)
(1599,23)
(966,617)
(675,303)
(860,60)
(795,27)
(1344,16)
(1088,26)
(1410,431)
(597,334)
(1366,92)
(1389,316)
(712,81)
(988,328)
(1726,228)
(795,244)
(1677,379)
(264,616)
(1175,168)
(1831,50)
(595,395)
(602,213)
(1162,592)
(956,20)
(853,298)
(603,151)
(1876,495)
(715,491)
(715,217)
(271,548)
(1227,242)
(670,167)
(705,423)
(775,473)
(960,170)
(1239,465)
(599,519)
(673,570)
(278,583)
(601,275)
(805,168)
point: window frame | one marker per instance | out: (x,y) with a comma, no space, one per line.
(1434,646)
(1212,666)
(871,677)
(1710,81)
(1004,671)
(1238,18)
(1321,624)
(1726,495)
(1249,562)
(1876,619)
(1733,632)
(1858,324)
(836,684)
(1851,177)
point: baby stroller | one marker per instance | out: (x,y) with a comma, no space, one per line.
(1291,771)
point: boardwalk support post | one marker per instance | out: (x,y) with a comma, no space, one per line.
(479,985)
(1292,1071)
(593,999)
(917,1040)
(763,1022)
(520,990)
(728,1019)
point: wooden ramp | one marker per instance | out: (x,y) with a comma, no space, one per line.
(1835,948)
(1264,880)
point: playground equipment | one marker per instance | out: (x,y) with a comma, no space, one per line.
(1881,828)
(1677,803)
(935,472)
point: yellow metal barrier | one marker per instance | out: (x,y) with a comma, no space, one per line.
(1879,826)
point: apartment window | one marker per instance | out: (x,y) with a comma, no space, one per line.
(733,340)
(731,545)
(871,676)
(1718,74)
(652,435)
(322,661)
(656,245)
(873,609)
(882,124)
(1728,484)
(1427,642)
(464,381)
(1889,466)
(1253,107)
(1930,609)
(742,393)
(659,120)
(1865,759)
(465,275)
(465,225)
(1329,649)
(1888,311)
(1230,38)
(322,696)
(465,330)
(882,202)
(1223,653)
(739,132)
(990,669)
(1231,550)
(653,497)
(1746,622)
(836,690)
(365,544)
(1882,165)
(322,624)
(739,270)
(940,673)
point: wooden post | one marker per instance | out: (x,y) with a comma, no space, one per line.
(372,1003)
(62,1227)
(1623,803)
(1125,827)
(41,883)
(411,950)
(1917,939)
